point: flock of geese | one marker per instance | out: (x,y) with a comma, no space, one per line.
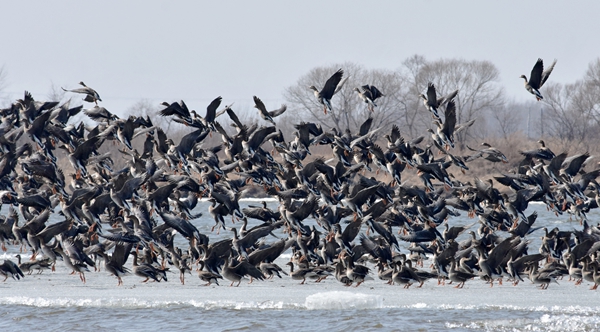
(126,220)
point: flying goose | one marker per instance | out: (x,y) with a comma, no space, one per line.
(91,96)
(368,94)
(537,78)
(332,85)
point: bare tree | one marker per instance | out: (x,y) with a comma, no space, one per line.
(564,115)
(415,118)
(507,120)
(593,73)
(146,108)
(478,88)
(348,110)
(574,109)
(55,93)
(588,96)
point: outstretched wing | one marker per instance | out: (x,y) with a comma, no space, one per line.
(331,84)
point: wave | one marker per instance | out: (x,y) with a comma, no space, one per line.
(544,323)
(317,301)
(572,309)
(139,303)
(342,300)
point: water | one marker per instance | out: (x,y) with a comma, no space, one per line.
(59,301)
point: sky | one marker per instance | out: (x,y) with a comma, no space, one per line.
(198,50)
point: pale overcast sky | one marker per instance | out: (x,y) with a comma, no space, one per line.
(197,50)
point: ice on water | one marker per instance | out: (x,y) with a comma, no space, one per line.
(343,300)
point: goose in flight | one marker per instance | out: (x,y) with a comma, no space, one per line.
(91,96)
(266,115)
(368,94)
(537,78)
(333,85)
(432,102)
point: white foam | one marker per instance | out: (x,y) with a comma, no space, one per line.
(243,305)
(568,323)
(545,323)
(84,302)
(342,300)
(460,307)
(138,303)
(573,309)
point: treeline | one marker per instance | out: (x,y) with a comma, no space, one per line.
(568,118)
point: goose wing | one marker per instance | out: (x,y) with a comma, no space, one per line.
(258,104)
(330,86)
(547,72)
(431,95)
(211,110)
(351,231)
(535,79)
(450,119)
(278,111)
(365,126)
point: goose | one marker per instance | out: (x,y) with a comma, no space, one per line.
(356,202)
(217,212)
(91,96)
(537,78)
(432,102)
(301,273)
(10,269)
(368,94)
(383,273)
(211,113)
(266,115)
(271,269)
(332,85)
(427,234)
(587,272)
(74,265)
(488,262)
(404,274)
(542,152)
(489,153)
(28,267)
(207,276)
(453,232)
(144,270)
(543,279)
(456,275)
(127,192)
(115,265)
(340,274)
(355,273)
(235,273)
(446,130)
(261,213)
(178,109)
